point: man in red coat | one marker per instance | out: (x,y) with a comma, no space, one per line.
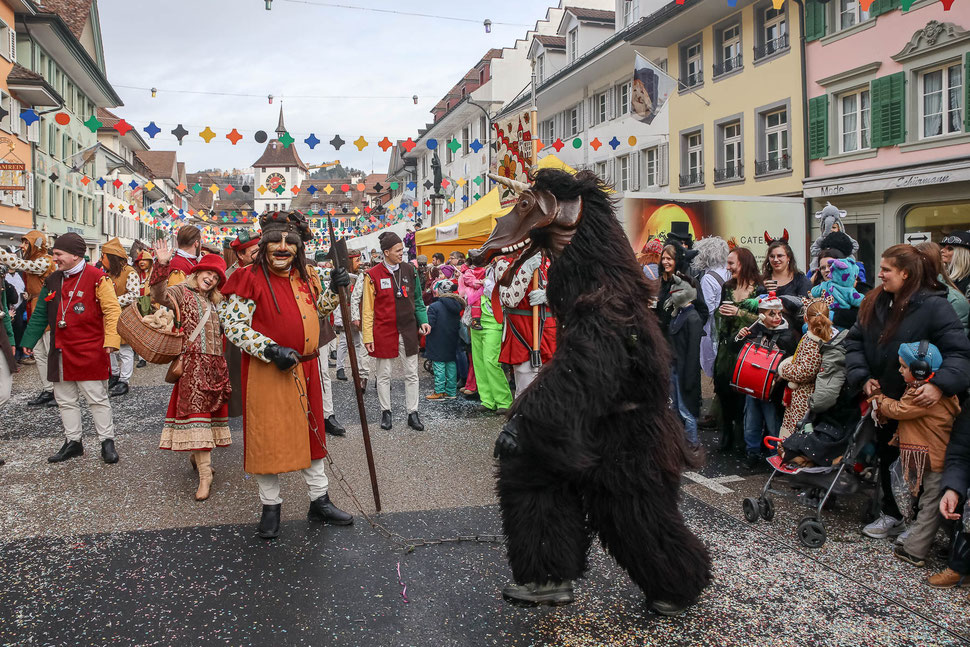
(79,304)
(189,241)
(517,302)
(272,313)
(392,316)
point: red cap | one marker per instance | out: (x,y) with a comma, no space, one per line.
(213,263)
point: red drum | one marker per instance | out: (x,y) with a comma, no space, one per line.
(754,374)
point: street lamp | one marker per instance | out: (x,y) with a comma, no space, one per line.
(269,4)
(415,99)
(270,96)
(488,26)
(154,92)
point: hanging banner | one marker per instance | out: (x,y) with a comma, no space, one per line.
(514,138)
(12,176)
(651,87)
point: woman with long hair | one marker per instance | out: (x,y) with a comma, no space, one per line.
(909,306)
(738,309)
(197,419)
(956,258)
(780,273)
(956,298)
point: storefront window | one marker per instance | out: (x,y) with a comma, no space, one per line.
(935,221)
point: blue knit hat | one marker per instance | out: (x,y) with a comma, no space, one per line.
(908,352)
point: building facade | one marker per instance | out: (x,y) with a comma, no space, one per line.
(888,95)
(278,170)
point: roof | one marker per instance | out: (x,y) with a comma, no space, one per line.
(276,155)
(162,164)
(21,73)
(74,13)
(599,15)
(373,179)
(558,42)
(108,118)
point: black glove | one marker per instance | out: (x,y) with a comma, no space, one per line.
(507,443)
(339,278)
(284,358)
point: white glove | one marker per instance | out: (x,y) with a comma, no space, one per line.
(538,297)
(531,264)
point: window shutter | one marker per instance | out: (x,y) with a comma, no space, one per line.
(33,132)
(579,120)
(880,7)
(591,109)
(966,91)
(635,170)
(30,190)
(611,170)
(888,110)
(15,121)
(814,20)
(663,177)
(611,103)
(13,46)
(818,127)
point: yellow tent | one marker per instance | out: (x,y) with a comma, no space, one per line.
(470,227)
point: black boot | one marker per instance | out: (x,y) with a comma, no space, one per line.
(532,594)
(141,364)
(333,427)
(386,419)
(42,398)
(114,379)
(269,522)
(414,422)
(121,388)
(108,453)
(341,375)
(69,449)
(668,608)
(322,509)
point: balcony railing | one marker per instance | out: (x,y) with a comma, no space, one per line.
(772,46)
(692,80)
(773,165)
(693,178)
(729,172)
(728,65)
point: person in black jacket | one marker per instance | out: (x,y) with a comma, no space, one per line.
(684,335)
(671,260)
(909,305)
(956,481)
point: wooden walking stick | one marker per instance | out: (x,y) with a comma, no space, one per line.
(338,253)
(535,357)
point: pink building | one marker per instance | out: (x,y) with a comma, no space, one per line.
(888,126)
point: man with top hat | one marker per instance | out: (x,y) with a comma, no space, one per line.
(79,305)
(516,303)
(114,260)
(189,241)
(392,316)
(272,313)
(36,264)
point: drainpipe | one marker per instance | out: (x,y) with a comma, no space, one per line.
(805,154)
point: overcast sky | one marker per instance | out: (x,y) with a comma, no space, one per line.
(297,48)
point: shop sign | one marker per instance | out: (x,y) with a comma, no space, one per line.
(908,181)
(12,176)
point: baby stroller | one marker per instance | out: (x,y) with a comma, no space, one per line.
(814,486)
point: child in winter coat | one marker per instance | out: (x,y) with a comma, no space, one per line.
(471,286)
(771,330)
(685,332)
(802,368)
(841,286)
(444,317)
(830,220)
(922,435)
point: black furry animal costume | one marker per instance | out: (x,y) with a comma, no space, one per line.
(600,450)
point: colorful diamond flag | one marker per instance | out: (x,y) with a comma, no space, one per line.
(234,136)
(408,144)
(311,141)
(93,124)
(152,130)
(207,135)
(476,146)
(454,145)
(337,142)
(385,144)
(361,143)
(123,127)
(614,143)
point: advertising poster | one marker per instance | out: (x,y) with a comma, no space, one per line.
(743,223)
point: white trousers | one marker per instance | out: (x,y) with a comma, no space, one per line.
(123,363)
(68,397)
(343,353)
(41,350)
(324,360)
(316,481)
(384,367)
(6,380)
(525,373)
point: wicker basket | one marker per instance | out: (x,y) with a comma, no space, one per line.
(155,346)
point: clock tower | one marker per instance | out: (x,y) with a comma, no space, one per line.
(277,172)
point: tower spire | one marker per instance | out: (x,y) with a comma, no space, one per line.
(280,128)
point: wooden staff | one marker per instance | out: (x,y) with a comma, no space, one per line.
(341,259)
(535,357)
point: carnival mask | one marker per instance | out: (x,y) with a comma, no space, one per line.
(281,253)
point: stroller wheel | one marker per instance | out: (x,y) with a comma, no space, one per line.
(811,532)
(750,507)
(766,507)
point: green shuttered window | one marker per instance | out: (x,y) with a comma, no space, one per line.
(880,7)
(818,127)
(888,110)
(814,20)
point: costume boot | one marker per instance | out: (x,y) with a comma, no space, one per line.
(69,449)
(414,422)
(43,398)
(552,593)
(108,453)
(668,608)
(321,509)
(203,461)
(196,467)
(333,427)
(269,522)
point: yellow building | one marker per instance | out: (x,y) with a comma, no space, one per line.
(736,121)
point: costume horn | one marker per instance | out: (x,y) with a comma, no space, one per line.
(768,238)
(514,185)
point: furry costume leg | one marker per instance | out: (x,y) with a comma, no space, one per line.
(544,523)
(663,558)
